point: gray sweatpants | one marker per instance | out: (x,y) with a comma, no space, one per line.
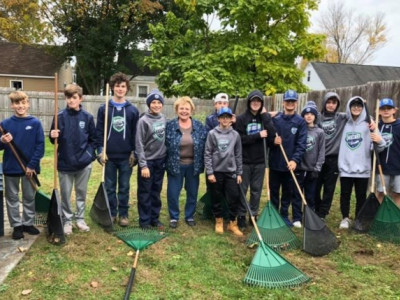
(80,180)
(12,187)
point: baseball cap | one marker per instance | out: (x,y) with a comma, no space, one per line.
(290,95)
(386,102)
(225,111)
(221,97)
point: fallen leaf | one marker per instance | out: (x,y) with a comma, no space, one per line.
(119,242)
(130,253)
(22,249)
(94,284)
(108,249)
(115,269)
(26,292)
(378,245)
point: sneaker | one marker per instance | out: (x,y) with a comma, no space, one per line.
(123,221)
(297,224)
(32,230)
(68,228)
(255,219)
(287,221)
(173,224)
(190,222)
(82,226)
(18,233)
(345,223)
(157,224)
(241,222)
(145,226)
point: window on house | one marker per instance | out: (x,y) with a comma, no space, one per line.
(308,75)
(17,84)
(142,91)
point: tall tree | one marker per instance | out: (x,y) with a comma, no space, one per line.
(351,38)
(102,35)
(255,46)
(21,22)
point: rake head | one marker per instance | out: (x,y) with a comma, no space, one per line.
(386,225)
(274,231)
(100,210)
(138,238)
(367,213)
(270,270)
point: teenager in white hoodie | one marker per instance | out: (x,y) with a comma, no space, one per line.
(355,157)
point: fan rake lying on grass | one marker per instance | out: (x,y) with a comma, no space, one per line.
(138,239)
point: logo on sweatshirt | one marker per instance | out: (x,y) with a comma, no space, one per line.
(388,138)
(223,145)
(159,131)
(329,128)
(310,143)
(353,140)
(82,124)
(29,127)
(253,128)
(293,130)
(118,123)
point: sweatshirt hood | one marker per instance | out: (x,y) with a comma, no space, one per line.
(328,96)
(253,95)
(362,117)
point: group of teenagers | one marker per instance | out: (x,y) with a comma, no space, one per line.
(233,150)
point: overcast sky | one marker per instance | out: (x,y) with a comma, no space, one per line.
(390,54)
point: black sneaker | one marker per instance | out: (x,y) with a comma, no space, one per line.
(157,224)
(241,222)
(18,233)
(173,224)
(191,222)
(32,230)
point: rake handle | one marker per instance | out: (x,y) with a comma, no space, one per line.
(293,175)
(131,277)
(105,132)
(21,164)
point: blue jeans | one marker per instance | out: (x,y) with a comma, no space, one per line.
(175,183)
(149,189)
(121,171)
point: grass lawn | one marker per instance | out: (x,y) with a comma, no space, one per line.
(193,263)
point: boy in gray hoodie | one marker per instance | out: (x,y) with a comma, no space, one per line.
(332,122)
(355,157)
(313,159)
(223,163)
(151,153)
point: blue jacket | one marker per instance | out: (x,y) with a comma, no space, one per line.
(77,140)
(390,155)
(28,135)
(173,142)
(211,121)
(121,130)
(293,130)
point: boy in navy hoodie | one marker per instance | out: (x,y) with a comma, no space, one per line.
(76,134)
(25,131)
(120,159)
(292,134)
(389,127)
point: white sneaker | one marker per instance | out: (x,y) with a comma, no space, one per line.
(67,228)
(82,226)
(345,223)
(297,224)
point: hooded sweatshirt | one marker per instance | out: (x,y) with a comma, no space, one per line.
(333,125)
(121,131)
(356,145)
(150,138)
(390,156)
(223,151)
(249,126)
(28,136)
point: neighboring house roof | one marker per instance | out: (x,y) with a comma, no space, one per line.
(17,59)
(341,75)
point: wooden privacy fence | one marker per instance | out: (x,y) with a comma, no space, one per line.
(42,103)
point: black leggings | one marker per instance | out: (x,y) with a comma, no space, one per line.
(346,186)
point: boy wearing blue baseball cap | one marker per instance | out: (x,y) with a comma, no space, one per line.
(223,163)
(389,127)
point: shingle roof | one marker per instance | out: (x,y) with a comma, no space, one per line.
(341,75)
(27,60)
